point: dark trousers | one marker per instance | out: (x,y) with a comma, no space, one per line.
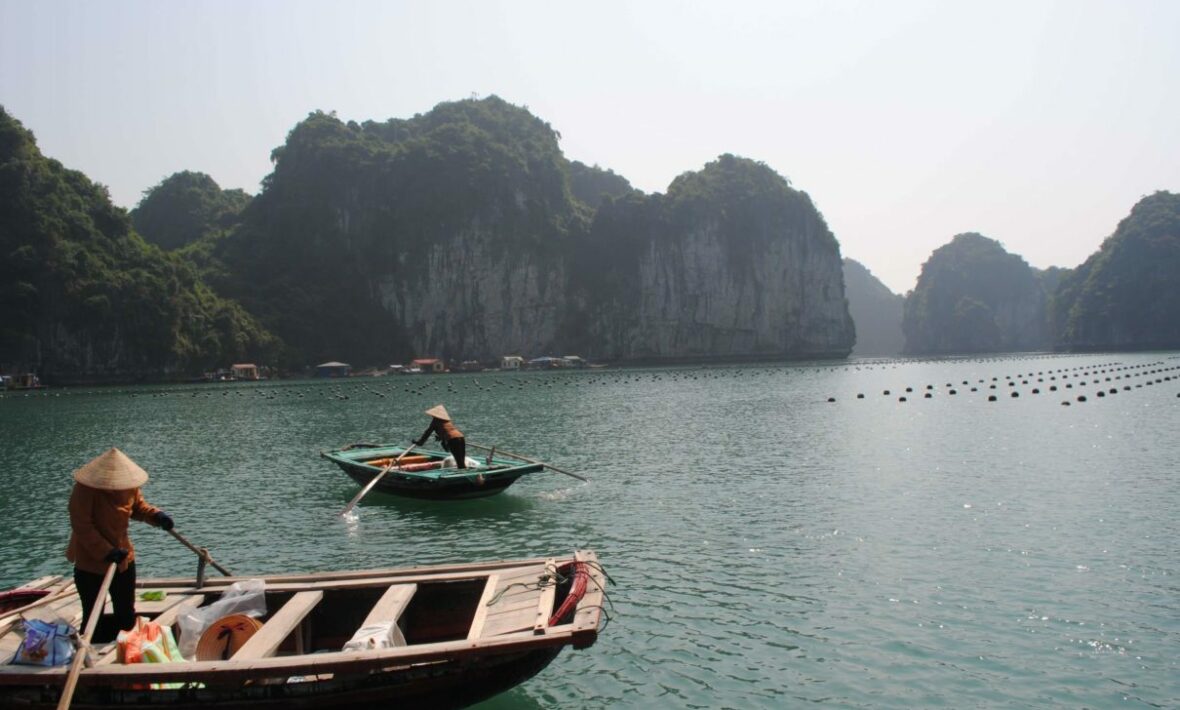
(122,599)
(458,449)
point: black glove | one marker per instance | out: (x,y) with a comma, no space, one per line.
(164,521)
(117,554)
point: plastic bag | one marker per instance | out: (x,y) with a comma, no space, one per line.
(45,644)
(148,642)
(449,462)
(246,597)
(369,638)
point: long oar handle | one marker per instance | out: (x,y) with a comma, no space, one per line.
(522,458)
(369,486)
(203,553)
(67,693)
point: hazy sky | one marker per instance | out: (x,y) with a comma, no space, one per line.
(1036,123)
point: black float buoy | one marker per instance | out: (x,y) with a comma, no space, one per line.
(991,398)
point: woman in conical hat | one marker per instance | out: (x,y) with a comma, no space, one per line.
(447,434)
(105,498)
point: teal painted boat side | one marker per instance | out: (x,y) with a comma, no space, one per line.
(449,483)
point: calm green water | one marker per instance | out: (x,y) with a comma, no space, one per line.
(769,547)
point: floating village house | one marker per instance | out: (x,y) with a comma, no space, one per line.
(245,371)
(430,364)
(333,369)
(511,362)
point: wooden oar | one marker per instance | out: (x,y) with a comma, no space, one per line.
(373,482)
(522,458)
(201,552)
(67,693)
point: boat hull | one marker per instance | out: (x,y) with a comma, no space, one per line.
(445,685)
(450,484)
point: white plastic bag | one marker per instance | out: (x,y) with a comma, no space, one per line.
(449,462)
(246,597)
(369,638)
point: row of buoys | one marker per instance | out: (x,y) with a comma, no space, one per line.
(1087,371)
(422,386)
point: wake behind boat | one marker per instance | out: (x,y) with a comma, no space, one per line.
(428,474)
(461,633)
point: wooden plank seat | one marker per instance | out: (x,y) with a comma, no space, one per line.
(390,607)
(279,626)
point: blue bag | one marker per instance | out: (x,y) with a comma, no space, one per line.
(45,644)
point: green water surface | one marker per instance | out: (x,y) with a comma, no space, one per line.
(770,548)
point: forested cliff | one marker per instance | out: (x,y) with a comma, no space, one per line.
(972,296)
(84,298)
(465,233)
(730,262)
(1126,295)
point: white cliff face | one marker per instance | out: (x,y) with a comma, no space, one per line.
(472,298)
(699,300)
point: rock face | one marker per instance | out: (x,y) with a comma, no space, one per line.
(974,297)
(731,263)
(459,234)
(876,312)
(1125,296)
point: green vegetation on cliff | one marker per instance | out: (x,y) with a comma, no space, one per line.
(974,297)
(184,208)
(592,185)
(84,297)
(1125,297)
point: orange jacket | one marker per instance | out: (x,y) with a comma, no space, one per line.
(443,430)
(98,523)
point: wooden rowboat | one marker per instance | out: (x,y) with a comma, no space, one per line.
(463,634)
(422,474)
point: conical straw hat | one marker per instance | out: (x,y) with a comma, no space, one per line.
(439,412)
(112,471)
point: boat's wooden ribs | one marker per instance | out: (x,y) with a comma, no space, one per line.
(481,611)
(390,607)
(279,626)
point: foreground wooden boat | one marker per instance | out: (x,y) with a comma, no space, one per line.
(463,634)
(422,475)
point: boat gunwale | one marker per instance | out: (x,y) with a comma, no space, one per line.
(439,572)
(510,467)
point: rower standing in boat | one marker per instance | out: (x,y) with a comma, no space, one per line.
(447,434)
(105,498)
